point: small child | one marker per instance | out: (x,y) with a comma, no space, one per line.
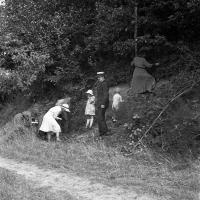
(117,99)
(90,109)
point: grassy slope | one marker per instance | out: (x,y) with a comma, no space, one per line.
(15,187)
(93,159)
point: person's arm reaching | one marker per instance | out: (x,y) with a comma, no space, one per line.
(92,100)
(121,100)
(147,64)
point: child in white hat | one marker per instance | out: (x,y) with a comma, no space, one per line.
(90,109)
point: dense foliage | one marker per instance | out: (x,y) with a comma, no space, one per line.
(51,48)
(61,44)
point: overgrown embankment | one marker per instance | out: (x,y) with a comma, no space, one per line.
(144,172)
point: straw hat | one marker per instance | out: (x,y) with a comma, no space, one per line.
(90,92)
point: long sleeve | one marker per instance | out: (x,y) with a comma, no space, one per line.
(105,92)
(147,64)
(55,111)
(121,100)
(55,115)
(102,94)
(92,100)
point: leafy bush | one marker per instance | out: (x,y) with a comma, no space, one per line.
(28,64)
(90,36)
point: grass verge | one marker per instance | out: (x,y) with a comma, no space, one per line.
(142,172)
(15,187)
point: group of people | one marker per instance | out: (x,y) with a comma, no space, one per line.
(99,104)
(96,105)
(98,101)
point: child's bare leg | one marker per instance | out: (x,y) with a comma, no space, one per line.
(58,136)
(87,123)
(49,136)
(91,121)
(114,116)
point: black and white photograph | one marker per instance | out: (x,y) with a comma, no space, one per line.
(99,99)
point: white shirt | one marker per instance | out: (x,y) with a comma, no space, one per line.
(117,99)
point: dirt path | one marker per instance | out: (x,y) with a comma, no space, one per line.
(78,187)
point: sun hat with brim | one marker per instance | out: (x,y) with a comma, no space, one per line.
(100,73)
(90,92)
(66,107)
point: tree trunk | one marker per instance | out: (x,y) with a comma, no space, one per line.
(136,26)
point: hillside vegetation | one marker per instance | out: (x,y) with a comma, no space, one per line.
(50,49)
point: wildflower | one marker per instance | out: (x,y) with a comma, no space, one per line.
(136,116)
(131,135)
(126,125)
(131,143)
(135,132)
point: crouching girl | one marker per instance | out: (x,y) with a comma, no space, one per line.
(49,124)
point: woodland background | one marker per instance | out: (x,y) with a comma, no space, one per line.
(55,47)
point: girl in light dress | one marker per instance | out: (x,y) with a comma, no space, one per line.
(117,99)
(90,109)
(49,123)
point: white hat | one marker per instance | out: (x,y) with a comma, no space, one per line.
(100,73)
(90,92)
(66,107)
